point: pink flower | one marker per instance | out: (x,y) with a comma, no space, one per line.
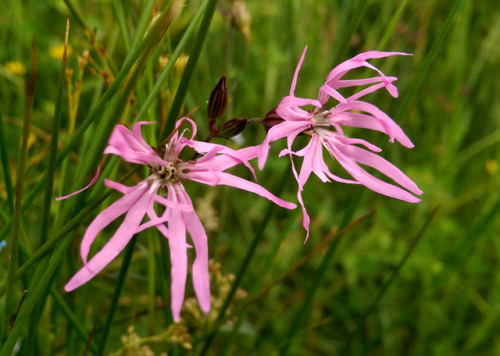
(324,126)
(167,172)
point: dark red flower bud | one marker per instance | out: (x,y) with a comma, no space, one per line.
(232,128)
(218,100)
(271,119)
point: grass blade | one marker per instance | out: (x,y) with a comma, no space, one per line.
(127,258)
(188,71)
(303,310)
(426,64)
(392,278)
(4,157)
(53,146)
(14,242)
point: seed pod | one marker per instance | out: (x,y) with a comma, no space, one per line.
(271,119)
(232,127)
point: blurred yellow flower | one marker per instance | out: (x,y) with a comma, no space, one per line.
(15,67)
(58,50)
(491,166)
(180,63)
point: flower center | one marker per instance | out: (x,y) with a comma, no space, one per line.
(320,118)
(165,173)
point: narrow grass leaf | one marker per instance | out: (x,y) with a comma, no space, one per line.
(4,158)
(51,167)
(127,258)
(392,278)
(14,241)
(423,71)
(188,71)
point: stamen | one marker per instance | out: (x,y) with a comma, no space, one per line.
(166,172)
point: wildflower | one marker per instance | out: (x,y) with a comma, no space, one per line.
(15,67)
(167,172)
(324,126)
(57,51)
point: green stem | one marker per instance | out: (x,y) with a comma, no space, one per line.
(63,231)
(116,295)
(347,27)
(151,281)
(188,71)
(426,64)
(14,242)
(391,279)
(259,235)
(4,157)
(115,88)
(68,313)
(53,146)
(122,23)
(166,71)
(303,311)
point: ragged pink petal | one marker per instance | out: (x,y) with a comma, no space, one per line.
(131,147)
(110,214)
(243,184)
(343,156)
(178,261)
(114,246)
(201,278)
(92,182)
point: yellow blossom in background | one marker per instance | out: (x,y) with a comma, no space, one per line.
(163,60)
(491,166)
(58,50)
(15,67)
(180,63)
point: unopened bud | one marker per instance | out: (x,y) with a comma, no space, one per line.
(232,128)
(68,73)
(83,60)
(218,101)
(241,18)
(271,119)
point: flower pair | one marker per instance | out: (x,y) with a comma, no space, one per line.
(169,171)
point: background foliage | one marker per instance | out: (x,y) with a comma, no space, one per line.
(381,292)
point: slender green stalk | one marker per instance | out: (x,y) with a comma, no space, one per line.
(14,242)
(49,188)
(91,35)
(188,71)
(423,71)
(142,25)
(4,157)
(43,275)
(151,281)
(127,258)
(347,27)
(3,216)
(122,23)
(73,319)
(389,30)
(259,235)
(63,231)
(150,39)
(392,278)
(304,308)
(166,71)
(241,311)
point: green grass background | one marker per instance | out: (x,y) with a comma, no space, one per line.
(444,299)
